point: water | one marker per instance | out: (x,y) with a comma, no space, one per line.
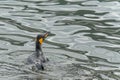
(83,44)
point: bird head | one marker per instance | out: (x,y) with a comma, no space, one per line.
(41,38)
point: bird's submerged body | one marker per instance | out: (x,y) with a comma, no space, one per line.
(37,59)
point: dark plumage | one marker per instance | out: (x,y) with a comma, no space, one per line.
(37,59)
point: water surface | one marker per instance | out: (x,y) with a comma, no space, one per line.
(83,44)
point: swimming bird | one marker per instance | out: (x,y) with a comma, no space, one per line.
(37,59)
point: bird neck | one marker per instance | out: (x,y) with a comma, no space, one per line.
(38,49)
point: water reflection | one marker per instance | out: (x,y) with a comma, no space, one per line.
(83,42)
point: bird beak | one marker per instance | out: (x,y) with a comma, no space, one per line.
(45,35)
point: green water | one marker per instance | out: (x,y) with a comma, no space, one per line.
(83,43)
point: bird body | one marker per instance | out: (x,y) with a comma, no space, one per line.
(37,59)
